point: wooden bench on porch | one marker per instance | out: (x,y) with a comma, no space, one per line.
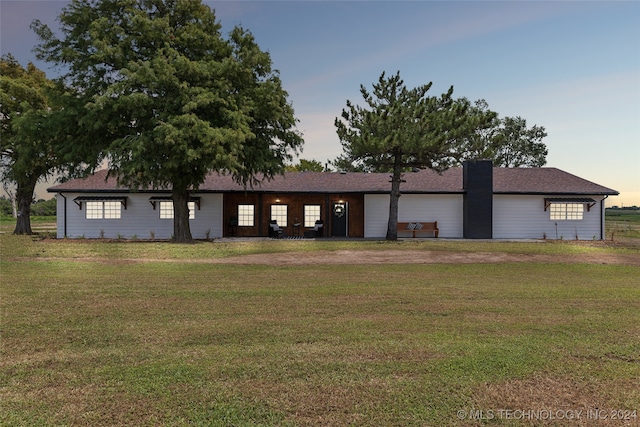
(419,227)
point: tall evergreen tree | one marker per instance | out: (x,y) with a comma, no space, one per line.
(169,98)
(404,129)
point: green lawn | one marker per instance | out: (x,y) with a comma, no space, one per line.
(91,335)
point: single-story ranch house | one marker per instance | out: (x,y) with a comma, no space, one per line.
(473,201)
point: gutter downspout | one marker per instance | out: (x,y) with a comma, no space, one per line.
(65,214)
(603,220)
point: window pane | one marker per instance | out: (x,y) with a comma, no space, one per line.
(93,210)
(311,215)
(166,210)
(112,210)
(192,210)
(279,214)
(557,211)
(566,211)
(245,215)
(574,211)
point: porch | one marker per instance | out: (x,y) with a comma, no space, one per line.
(250,214)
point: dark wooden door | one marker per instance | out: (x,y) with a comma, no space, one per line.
(340,213)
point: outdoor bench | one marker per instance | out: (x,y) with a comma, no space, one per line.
(419,227)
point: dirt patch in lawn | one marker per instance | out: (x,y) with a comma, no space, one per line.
(421,257)
(342,257)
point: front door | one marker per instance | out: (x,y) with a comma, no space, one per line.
(339,216)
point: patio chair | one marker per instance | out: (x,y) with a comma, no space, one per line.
(317,230)
(275,231)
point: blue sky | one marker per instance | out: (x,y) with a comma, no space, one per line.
(572,67)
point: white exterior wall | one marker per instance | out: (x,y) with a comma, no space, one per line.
(514,217)
(444,208)
(139,219)
(60,219)
(376,215)
(524,217)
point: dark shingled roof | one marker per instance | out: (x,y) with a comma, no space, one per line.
(505,181)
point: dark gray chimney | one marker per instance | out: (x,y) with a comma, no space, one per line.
(477,181)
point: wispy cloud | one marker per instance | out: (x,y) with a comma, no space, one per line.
(459,22)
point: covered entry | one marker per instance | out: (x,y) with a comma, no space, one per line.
(295,213)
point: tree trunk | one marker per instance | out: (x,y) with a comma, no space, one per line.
(181,228)
(396,179)
(24,197)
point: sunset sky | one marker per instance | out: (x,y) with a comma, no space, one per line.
(572,67)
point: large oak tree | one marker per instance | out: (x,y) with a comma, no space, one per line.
(26,153)
(170,98)
(402,128)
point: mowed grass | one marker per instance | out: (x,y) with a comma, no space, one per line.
(93,336)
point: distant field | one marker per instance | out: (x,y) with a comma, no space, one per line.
(39,224)
(623,215)
(148,334)
(622,224)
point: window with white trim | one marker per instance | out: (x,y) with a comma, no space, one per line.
(246,215)
(279,214)
(311,215)
(166,210)
(103,210)
(566,211)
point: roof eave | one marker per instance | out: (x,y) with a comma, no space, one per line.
(559,193)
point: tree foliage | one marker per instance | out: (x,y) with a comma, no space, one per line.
(403,128)
(169,98)
(305,165)
(507,142)
(27,155)
(43,207)
(6,206)
(344,164)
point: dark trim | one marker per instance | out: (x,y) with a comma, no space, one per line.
(541,193)
(587,201)
(327,214)
(260,214)
(603,222)
(477,203)
(155,199)
(65,213)
(461,191)
(122,199)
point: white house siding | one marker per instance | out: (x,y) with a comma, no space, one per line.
(139,220)
(376,215)
(444,208)
(524,217)
(208,221)
(60,219)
